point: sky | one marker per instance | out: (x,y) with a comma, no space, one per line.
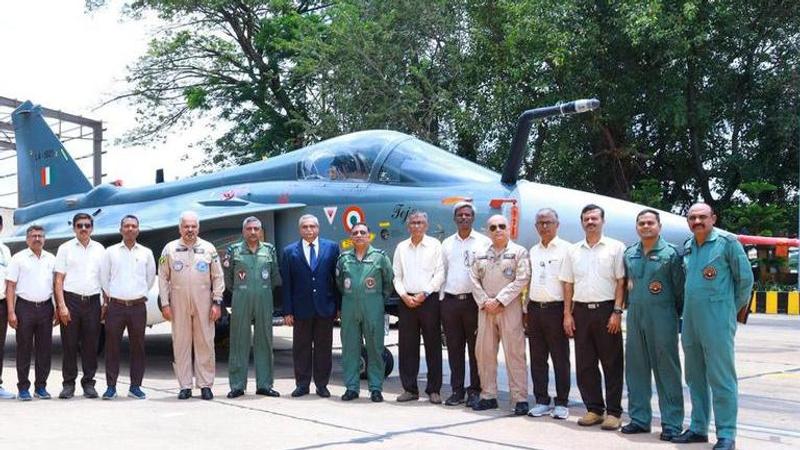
(61,57)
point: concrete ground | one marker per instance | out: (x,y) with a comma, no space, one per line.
(768,364)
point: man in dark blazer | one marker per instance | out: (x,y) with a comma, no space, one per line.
(310,304)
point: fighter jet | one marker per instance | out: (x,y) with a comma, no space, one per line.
(377,177)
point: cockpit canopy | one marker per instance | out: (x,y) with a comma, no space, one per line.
(387,158)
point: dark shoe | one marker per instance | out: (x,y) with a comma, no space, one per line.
(206,394)
(323,392)
(235,393)
(41,393)
(376,396)
(690,437)
(89,391)
(67,392)
(634,428)
(472,399)
(110,393)
(667,435)
(454,399)
(485,403)
(184,394)
(24,396)
(725,444)
(300,391)
(521,409)
(137,393)
(349,395)
(269,392)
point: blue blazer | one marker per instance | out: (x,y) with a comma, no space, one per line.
(306,292)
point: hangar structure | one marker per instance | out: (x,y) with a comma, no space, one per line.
(67,127)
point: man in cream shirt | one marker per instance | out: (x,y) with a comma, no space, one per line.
(545,318)
(593,273)
(418,275)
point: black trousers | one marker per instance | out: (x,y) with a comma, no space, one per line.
(593,345)
(459,316)
(80,336)
(34,336)
(546,339)
(3,329)
(312,348)
(423,320)
(118,318)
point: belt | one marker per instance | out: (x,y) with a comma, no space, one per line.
(134,302)
(36,304)
(594,305)
(83,298)
(459,296)
(543,305)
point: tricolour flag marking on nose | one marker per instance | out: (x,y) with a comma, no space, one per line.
(45,176)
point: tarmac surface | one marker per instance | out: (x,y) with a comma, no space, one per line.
(768,364)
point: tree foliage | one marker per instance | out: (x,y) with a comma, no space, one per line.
(699,98)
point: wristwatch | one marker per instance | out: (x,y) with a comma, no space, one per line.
(618,310)
(217,302)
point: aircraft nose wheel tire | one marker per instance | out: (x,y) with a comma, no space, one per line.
(388,362)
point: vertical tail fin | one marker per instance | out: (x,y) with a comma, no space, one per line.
(44,168)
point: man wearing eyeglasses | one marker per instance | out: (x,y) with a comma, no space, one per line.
(29,299)
(546,316)
(418,276)
(364,277)
(718,283)
(499,275)
(593,276)
(77,293)
(458,309)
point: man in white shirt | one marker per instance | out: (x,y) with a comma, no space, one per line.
(593,276)
(29,298)
(77,295)
(5,259)
(418,276)
(545,318)
(127,272)
(459,311)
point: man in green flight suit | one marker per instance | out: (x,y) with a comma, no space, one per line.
(654,273)
(364,277)
(719,282)
(251,271)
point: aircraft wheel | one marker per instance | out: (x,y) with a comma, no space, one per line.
(388,363)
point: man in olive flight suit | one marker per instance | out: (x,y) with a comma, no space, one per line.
(719,282)
(654,275)
(251,272)
(364,277)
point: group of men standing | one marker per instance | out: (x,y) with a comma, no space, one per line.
(83,284)
(471,285)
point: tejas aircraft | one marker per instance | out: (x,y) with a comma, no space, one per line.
(378,177)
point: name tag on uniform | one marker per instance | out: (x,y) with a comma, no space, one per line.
(509,256)
(199,251)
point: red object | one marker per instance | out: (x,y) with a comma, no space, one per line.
(771,241)
(496,203)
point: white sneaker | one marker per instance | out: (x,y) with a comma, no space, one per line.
(5,395)
(539,410)
(560,412)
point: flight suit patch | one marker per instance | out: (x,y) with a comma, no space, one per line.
(508,273)
(226,261)
(177,266)
(655,287)
(709,272)
(242,274)
(201,266)
(265,274)
(369,283)
(347,283)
